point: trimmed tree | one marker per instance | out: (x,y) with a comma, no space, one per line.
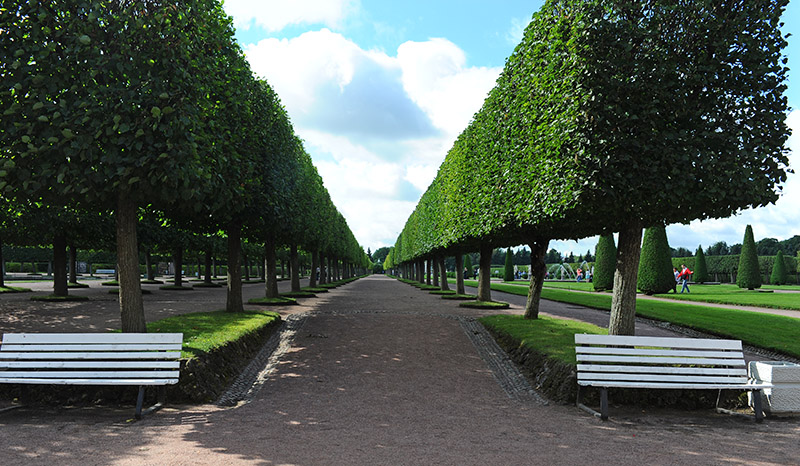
(605,260)
(508,272)
(700,268)
(655,265)
(748,275)
(779,275)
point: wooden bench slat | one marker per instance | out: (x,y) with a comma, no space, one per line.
(92,338)
(93,347)
(98,355)
(166,374)
(604,376)
(660,360)
(659,352)
(90,381)
(687,386)
(584,339)
(662,369)
(139,364)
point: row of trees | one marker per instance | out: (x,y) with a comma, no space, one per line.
(612,117)
(149,111)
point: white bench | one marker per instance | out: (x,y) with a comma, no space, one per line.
(661,363)
(92,359)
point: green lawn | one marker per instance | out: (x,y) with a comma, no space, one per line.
(204,331)
(732,294)
(553,337)
(768,331)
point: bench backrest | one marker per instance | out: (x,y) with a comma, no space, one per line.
(91,358)
(659,360)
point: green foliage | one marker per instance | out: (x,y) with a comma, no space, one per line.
(700,267)
(655,265)
(468,265)
(508,271)
(778,275)
(573,141)
(748,274)
(606,254)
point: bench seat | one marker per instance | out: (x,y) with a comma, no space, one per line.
(616,361)
(139,359)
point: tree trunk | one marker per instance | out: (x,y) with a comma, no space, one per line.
(73,265)
(460,274)
(312,281)
(271,269)
(130,288)
(2,267)
(623,303)
(443,269)
(177,258)
(234,301)
(537,272)
(435,265)
(484,282)
(294,262)
(60,287)
(148,265)
(208,266)
(246,269)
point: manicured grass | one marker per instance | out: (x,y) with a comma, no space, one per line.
(56,299)
(280,301)
(110,283)
(77,285)
(14,289)
(442,292)
(768,331)
(484,305)
(582,286)
(152,282)
(174,288)
(462,297)
(204,331)
(207,285)
(314,289)
(732,294)
(553,337)
(299,294)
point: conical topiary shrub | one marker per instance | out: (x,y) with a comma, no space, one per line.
(508,272)
(468,266)
(779,275)
(655,264)
(700,268)
(605,263)
(748,275)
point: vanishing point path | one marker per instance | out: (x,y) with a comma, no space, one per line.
(379,372)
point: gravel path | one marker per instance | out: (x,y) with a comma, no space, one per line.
(378,372)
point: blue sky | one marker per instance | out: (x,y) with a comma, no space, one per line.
(379,90)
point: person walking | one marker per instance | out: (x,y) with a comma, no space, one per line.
(685,276)
(677,279)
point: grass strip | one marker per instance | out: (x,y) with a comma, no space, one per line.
(769,331)
(205,331)
(207,285)
(461,297)
(14,289)
(77,285)
(442,292)
(280,301)
(314,289)
(298,294)
(51,298)
(484,305)
(174,288)
(732,294)
(547,335)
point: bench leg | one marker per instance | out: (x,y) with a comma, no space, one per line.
(757,405)
(604,403)
(139,402)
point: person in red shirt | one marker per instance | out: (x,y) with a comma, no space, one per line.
(684,276)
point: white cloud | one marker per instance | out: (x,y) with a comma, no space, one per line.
(274,15)
(436,78)
(377,126)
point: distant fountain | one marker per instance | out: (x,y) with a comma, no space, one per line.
(561,272)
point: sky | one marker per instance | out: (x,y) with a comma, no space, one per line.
(379,91)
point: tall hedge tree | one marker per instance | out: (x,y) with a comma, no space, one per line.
(508,270)
(700,268)
(655,266)
(749,274)
(605,260)
(778,275)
